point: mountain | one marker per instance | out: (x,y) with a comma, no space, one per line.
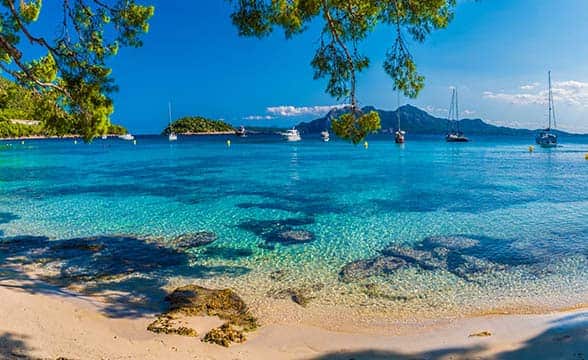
(416,121)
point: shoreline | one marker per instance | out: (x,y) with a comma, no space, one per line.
(55,137)
(49,322)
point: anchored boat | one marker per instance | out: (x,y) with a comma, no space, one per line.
(292,135)
(325,136)
(171,136)
(546,138)
(454,133)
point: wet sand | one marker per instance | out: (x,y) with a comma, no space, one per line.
(52,323)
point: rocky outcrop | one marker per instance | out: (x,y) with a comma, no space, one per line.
(194,300)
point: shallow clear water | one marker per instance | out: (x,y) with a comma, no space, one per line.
(527,212)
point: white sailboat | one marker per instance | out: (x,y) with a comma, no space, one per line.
(325,136)
(171,136)
(454,134)
(546,138)
(399,134)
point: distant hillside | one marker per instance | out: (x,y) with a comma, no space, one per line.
(417,121)
(197,125)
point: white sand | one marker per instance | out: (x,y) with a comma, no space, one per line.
(48,326)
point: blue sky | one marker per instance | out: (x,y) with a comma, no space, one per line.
(497,52)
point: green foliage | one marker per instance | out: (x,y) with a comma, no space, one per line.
(74,73)
(21,103)
(117,130)
(355,127)
(346,23)
(197,124)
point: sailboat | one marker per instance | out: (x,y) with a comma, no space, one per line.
(546,138)
(172,135)
(325,136)
(399,134)
(454,134)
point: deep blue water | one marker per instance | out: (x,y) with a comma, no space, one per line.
(526,211)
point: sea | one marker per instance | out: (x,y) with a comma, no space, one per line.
(423,229)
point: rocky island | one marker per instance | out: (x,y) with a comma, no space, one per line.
(198,125)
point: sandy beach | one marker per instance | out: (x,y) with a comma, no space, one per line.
(52,323)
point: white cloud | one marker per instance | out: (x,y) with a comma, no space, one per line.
(467,112)
(567,92)
(436,111)
(289,111)
(259,117)
(530,86)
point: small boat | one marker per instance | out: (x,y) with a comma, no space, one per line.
(325,136)
(546,138)
(241,132)
(172,135)
(399,134)
(127,137)
(104,137)
(292,135)
(454,134)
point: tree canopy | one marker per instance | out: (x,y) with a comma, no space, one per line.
(74,72)
(25,112)
(345,24)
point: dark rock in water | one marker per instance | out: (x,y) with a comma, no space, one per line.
(192,240)
(194,300)
(278,275)
(378,266)
(300,295)
(425,259)
(90,244)
(449,242)
(289,237)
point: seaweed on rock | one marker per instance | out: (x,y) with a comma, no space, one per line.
(194,300)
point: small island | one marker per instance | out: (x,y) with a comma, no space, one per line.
(198,125)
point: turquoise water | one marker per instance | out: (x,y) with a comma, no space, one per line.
(526,211)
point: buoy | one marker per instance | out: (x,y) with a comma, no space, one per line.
(22,142)
(228,143)
(531,148)
(365,144)
(75,142)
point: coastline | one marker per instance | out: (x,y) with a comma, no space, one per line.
(51,322)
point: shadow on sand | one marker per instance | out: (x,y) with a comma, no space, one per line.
(566,338)
(128,272)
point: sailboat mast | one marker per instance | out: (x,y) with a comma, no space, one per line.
(398,108)
(550,99)
(456,110)
(169,111)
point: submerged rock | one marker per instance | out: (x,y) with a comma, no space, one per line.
(378,266)
(299,295)
(425,259)
(90,244)
(289,237)
(187,241)
(194,300)
(449,242)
